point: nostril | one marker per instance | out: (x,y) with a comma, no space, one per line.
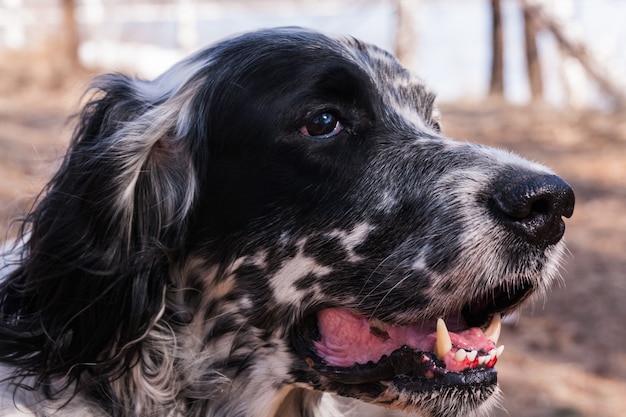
(540,206)
(532,206)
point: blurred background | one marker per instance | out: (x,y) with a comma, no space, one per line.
(544,78)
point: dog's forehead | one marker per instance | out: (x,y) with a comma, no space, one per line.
(400,88)
(287,60)
(377,62)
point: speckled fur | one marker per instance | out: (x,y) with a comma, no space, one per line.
(191,226)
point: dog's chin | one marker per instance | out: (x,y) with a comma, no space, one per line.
(471,393)
(416,382)
(426,366)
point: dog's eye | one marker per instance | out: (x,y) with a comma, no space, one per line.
(321,126)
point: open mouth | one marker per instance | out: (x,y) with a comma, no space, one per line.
(347,348)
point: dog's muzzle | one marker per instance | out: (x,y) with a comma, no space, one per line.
(454,356)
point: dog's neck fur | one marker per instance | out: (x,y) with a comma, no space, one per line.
(285,402)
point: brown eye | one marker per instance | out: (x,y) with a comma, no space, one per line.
(322,126)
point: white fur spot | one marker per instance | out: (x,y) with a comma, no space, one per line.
(419,264)
(292,270)
(350,240)
(388,201)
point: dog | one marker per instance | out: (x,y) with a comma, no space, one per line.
(275,222)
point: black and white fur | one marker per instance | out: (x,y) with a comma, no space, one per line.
(198,218)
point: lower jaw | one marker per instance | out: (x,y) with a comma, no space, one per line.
(427,388)
(471,380)
(455,395)
(475,380)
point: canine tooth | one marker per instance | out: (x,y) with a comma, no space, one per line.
(471,355)
(493,331)
(460,355)
(499,351)
(444,343)
(492,353)
(483,359)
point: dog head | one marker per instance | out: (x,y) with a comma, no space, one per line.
(278,213)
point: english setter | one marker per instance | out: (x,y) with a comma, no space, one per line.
(275,218)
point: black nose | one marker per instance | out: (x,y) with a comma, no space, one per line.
(532,206)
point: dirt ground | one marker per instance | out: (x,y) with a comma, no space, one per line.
(565,356)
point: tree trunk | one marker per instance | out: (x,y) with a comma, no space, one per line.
(576,48)
(496,86)
(532,57)
(405,45)
(70,39)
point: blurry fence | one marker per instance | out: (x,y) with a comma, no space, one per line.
(146,37)
(23,26)
(27,23)
(115,35)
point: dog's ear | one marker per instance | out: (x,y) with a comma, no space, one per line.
(100,240)
(129,148)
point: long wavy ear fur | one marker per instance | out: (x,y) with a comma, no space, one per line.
(94,267)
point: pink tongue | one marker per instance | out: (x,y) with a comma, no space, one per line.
(346,339)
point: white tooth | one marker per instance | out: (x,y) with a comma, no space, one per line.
(444,343)
(483,360)
(471,356)
(493,331)
(460,355)
(499,351)
(492,353)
